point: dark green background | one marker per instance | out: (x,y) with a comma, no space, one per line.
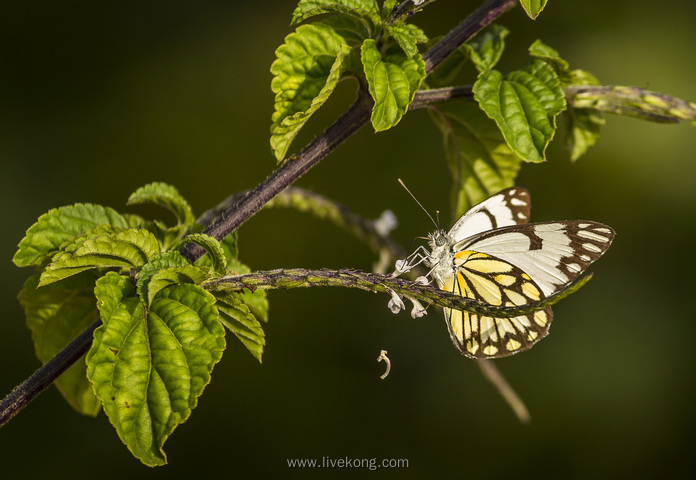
(98,98)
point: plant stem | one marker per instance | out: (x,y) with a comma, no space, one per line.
(292,169)
(287,278)
(44,376)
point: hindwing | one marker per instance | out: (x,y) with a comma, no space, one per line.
(493,281)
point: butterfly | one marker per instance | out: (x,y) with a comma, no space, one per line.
(493,255)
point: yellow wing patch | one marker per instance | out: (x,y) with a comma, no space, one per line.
(490,280)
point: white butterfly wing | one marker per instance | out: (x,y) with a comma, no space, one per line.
(507,207)
(553,254)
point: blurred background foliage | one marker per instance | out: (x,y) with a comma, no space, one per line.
(98,98)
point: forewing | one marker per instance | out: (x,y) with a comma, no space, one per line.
(507,207)
(495,282)
(553,254)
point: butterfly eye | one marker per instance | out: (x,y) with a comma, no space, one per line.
(440,239)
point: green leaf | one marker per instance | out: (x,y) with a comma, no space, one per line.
(533,7)
(393,81)
(584,124)
(387,8)
(584,127)
(408,36)
(486,48)
(365,10)
(236,316)
(229,247)
(307,68)
(480,160)
(353,31)
(167,269)
(149,367)
(166,196)
(167,236)
(542,51)
(524,104)
(74,243)
(257,300)
(59,225)
(127,248)
(214,249)
(56,314)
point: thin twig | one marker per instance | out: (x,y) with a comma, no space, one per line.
(44,376)
(493,375)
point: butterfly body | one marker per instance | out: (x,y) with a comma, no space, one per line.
(493,255)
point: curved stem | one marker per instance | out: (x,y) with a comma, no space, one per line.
(287,278)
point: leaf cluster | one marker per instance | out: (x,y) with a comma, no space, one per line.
(161,332)
(502,120)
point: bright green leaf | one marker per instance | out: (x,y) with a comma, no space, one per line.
(365,10)
(387,8)
(393,81)
(166,196)
(73,244)
(480,160)
(486,48)
(167,269)
(214,249)
(149,367)
(56,314)
(111,290)
(236,316)
(59,225)
(408,36)
(533,7)
(229,247)
(524,104)
(307,68)
(542,51)
(127,248)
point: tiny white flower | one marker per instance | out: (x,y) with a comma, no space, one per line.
(395,303)
(385,223)
(418,309)
(422,280)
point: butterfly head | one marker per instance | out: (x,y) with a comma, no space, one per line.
(441,256)
(438,239)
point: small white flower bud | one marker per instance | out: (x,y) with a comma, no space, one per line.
(401,266)
(385,223)
(418,310)
(395,303)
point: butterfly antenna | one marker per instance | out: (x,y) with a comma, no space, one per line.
(419,204)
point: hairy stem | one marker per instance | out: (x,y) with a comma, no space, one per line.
(287,278)
(44,376)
